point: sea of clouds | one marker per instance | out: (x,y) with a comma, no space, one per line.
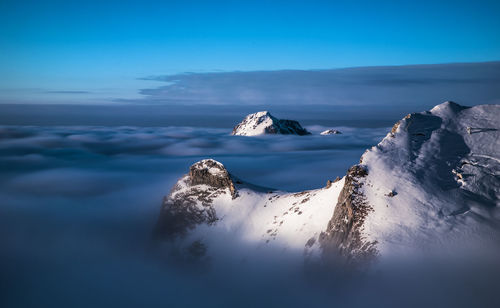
(78,205)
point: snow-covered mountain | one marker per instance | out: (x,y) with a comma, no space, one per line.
(208,200)
(330,132)
(431,185)
(263,122)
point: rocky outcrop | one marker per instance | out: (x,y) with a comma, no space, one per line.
(213,174)
(263,122)
(343,234)
(190,200)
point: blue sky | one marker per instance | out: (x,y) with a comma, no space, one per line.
(102,47)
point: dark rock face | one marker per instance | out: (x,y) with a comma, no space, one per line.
(211,173)
(188,205)
(288,127)
(181,212)
(392,194)
(343,233)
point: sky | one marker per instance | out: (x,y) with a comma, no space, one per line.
(98,51)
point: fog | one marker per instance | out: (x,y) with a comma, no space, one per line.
(78,205)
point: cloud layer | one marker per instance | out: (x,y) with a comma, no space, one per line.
(418,85)
(105,152)
(78,205)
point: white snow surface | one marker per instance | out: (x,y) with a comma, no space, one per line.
(447,183)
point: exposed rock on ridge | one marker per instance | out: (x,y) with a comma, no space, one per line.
(211,173)
(343,234)
(190,200)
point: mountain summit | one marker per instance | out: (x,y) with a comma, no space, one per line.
(263,122)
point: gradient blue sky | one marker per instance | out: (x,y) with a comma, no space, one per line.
(101,47)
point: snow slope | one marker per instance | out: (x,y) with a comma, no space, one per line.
(259,217)
(432,186)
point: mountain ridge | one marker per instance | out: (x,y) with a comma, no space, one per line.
(435,171)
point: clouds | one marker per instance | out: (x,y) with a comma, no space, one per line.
(77,206)
(362,97)
(86,154)
(422,85)
(66,182)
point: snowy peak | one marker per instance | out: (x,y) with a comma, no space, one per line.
(255,124)
(447,108)
(263,122)
(259,114)
(330,132)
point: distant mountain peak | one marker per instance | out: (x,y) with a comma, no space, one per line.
(331,132)
(263,122)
